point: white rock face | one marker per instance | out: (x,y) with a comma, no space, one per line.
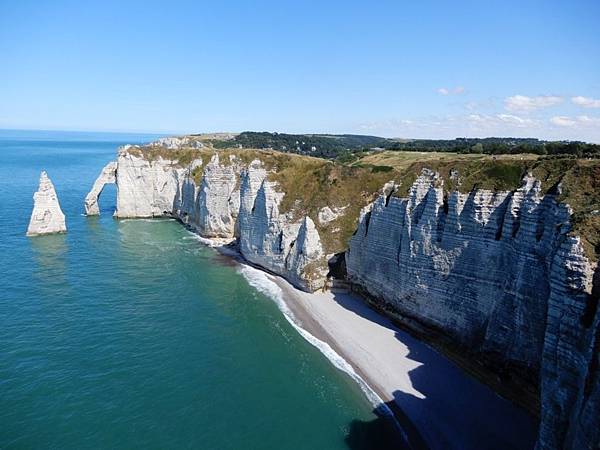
(173,143)
(107,176)
(498,273)
(327,214)
(145,188)
(232,201)
(218,199)
(46,217)
(271,240)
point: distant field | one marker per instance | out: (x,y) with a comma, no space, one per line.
(402,160)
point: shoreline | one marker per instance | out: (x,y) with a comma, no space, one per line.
(434,402)
(443,408)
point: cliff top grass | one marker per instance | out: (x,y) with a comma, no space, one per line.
(579,180)
(311,183)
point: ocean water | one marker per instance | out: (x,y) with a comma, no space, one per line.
(131,333)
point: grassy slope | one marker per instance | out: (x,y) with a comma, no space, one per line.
(312,183)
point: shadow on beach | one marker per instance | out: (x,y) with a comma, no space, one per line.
(381,433)
(456,410)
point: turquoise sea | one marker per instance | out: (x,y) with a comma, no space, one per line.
(132,334)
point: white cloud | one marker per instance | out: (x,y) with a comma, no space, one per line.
(476,124)
(454,91)
(562,121)
(515,120)
(486,121)
(525,103)
(587,120)
(586,102)
(579,122)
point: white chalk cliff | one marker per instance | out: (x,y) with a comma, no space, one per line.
(46,217)
(233,201)
(497,273)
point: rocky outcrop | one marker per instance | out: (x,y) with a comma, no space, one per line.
(107,176)
(174,142)
(218,199)
(327,214)
(274,241)
(46,217)
(145,188)
(500,275)
(228,201)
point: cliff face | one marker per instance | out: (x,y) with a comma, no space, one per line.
(273,240)
(46,217)
(233,200)
(498,273)
(145,188)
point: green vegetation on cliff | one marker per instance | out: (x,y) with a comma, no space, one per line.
(311,184)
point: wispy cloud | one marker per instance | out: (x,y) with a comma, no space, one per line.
(494,121)
(579,121)
(475,124)
(562,121)
(525,104)
(589,120)
(451,91)
(586,102)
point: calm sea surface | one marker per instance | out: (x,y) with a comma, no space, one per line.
(130,334)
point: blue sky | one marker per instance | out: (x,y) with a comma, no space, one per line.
(407,69)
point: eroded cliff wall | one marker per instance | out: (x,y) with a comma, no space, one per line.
(230,200)
(500,275)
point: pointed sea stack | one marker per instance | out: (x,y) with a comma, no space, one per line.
(46,217)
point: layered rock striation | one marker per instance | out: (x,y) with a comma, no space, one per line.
(499,274)
(46,217)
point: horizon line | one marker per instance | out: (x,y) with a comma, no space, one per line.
(175,133)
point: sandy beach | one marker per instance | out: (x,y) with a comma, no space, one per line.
(438,405)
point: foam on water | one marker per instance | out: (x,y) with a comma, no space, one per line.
(263,283)
(158,219)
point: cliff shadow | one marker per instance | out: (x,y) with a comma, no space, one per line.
(439,405)
(381,433)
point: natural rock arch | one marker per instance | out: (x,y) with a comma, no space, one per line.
(107,176)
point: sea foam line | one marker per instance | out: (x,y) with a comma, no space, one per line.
(261,282)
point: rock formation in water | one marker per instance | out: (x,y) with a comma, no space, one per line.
(498,273)
(107,176)
(46,217)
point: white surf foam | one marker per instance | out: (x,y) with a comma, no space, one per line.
(145,220)
(262,282)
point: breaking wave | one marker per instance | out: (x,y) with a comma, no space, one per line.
(262,282)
